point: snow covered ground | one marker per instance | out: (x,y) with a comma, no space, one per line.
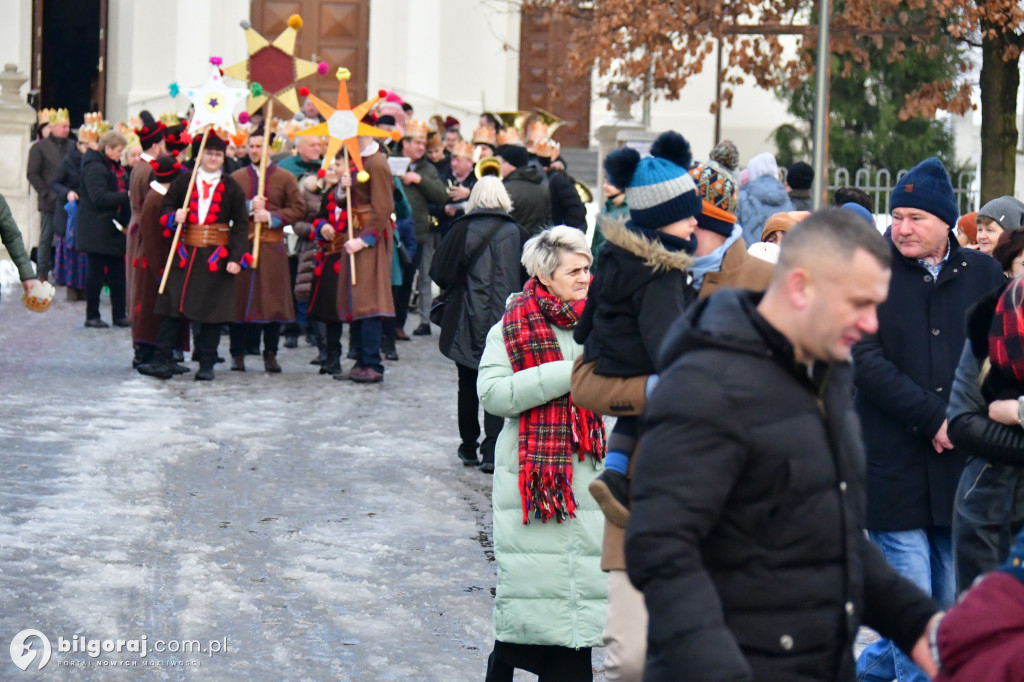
(325,529)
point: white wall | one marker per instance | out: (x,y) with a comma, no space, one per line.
(16,36)
(455,57)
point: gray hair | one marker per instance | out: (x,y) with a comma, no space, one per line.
(542,252)
(111,138)
(489,192)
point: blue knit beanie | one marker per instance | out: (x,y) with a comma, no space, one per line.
(658,189)
(927,187)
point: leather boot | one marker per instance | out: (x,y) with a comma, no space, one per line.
(159,367)
(270,362)
(205,372)
(237,363)
(332,365)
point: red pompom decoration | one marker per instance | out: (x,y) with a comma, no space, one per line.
(135,262)
(337,268)
(217,197)
(321,68)
(318,270)
(167,233)
(213,267)
(382,93)
(145,263)
(321,173)
(303,91)
(193,218)
(177,166)
(153,164)
(243,117)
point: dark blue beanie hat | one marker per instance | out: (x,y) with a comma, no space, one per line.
(927,187)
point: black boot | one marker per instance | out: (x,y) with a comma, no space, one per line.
(237,363)
(332,365)
(611,490)
(467,455)
(159,367)
(144,354)
(205,372)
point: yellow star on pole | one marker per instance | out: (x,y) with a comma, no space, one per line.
(214,103)
(273,67)
(344,124)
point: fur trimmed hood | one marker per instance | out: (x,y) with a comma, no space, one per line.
(652,252)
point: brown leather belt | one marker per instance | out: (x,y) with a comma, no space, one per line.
(267,235)
(360,216)
(207,235)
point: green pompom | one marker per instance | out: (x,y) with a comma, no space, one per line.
(256,89)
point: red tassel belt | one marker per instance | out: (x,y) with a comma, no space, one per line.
(267,236)
(207,235)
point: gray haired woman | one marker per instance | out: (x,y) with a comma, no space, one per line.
(549,606)
(477,265)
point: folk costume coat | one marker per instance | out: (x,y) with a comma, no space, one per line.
(199,288)
(264,292)
(372,206)
(138,188)
(151,256)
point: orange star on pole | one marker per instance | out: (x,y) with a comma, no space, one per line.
(344,124)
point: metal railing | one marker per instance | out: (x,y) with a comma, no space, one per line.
(878,185)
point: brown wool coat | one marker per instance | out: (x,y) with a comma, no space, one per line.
(138,188)
(373,204)
(152,255)
(193,292)
(620,396)
(264,293)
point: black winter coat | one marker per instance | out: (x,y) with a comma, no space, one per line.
(43,159)
(100,203)
(477,294)
(904,373)
(746,530)
(566,206)
(67,179)
(531,200)
(639,293)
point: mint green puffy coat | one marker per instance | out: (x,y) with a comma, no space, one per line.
(551,589)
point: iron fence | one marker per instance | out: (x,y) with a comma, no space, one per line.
(878,185)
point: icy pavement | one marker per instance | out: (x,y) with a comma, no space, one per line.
(321,529)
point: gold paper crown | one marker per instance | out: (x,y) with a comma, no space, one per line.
(170,119)
(538,131)
(509,136)
(485,136)
(240,137)
(548,149)
(38,300)
(45,114)
(58,115)
(463,149)
(416,129)
(93,128)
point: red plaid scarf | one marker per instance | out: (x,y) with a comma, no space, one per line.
(1006,335)
(548,433)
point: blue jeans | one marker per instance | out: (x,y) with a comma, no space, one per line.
(365,340)
(925,557)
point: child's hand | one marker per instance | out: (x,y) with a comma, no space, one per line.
(1004,412)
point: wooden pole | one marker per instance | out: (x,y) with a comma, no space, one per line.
(261,184)
(188,198)
(348,213)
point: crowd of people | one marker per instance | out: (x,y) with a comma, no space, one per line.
(744,516)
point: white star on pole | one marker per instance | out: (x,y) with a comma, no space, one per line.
(214,103)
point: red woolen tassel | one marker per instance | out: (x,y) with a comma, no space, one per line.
(145,263)
(337,268)
(135,262)
(193,218)
(318,270)
(213,267)
(168,234)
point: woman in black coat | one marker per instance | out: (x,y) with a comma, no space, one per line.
(70,266)
(104,200)
(477,264)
